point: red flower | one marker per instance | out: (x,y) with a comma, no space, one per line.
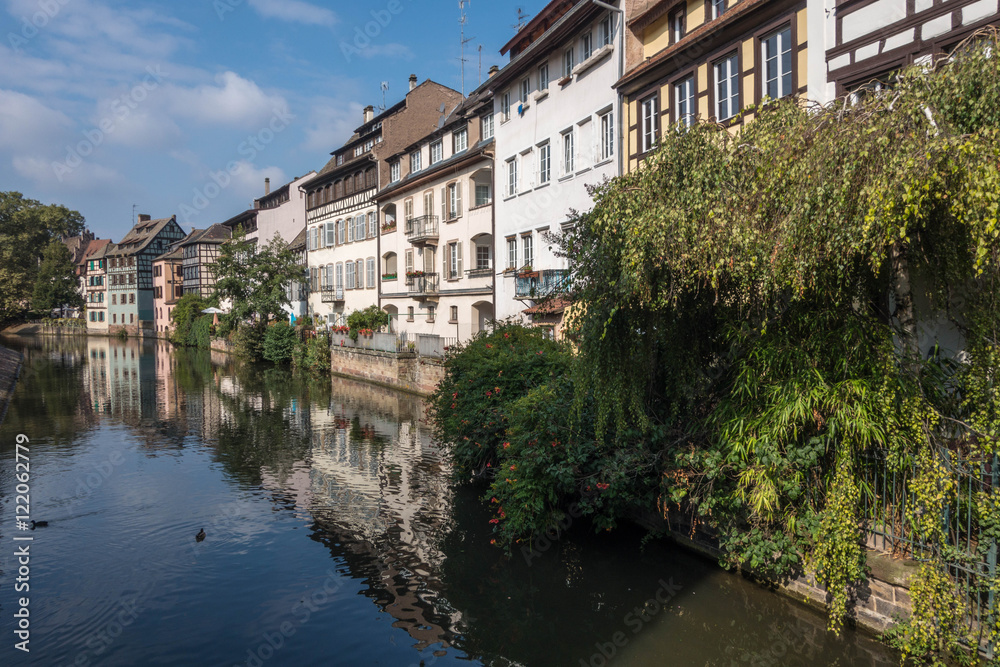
(488,346)
(506,445)
(602,487)
(494,521)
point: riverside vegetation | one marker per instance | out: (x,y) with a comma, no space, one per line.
(756,314)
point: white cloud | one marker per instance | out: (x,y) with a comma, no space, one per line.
(28,126)
(86,176)
(331,123)
(295,11)
(232,101)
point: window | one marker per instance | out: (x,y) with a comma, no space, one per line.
(527,240)
(409,314)
(429,202)
(394,171)
(408,209)
(512,176)
(727,87)
(684,101)
(568,63)
(331,234)
(114,318)
(454,314)
(512,253)
(350,275)
(359,228)
(360,273)
(544,163)
(676,26)
(605,31)
(525,89)
(460,140)
(650,123)
(568,152)
(431,311)
(718,8)
(483,257)
(372,225)
(409,261)
(340,276)
(454,261)
(777,56)
(414,162)
(505,106)
(131,298)
(486,125)
(543,77)
(483,194)
(607,135)
(341,232)
(157,272)
(437,152)
(100,316)
(587,44)
(454,201)
(370,270)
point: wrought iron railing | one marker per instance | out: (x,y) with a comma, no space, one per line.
(425,283)
(424,228)
(540,284)
(332,294)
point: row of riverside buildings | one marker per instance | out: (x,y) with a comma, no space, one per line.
(439,208)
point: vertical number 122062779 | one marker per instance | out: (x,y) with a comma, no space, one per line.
(22,470)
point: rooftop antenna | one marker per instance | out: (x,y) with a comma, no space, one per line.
(522,20)
(134,206)
(463,21)
(385,87)
(480,64)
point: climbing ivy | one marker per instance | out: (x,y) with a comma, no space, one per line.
(767,302)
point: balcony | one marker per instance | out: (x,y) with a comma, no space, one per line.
(538,285)
(423,286)
(423,229)
(333,295)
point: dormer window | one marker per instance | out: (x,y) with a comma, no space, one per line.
(415,162)
(437,152)
(676,25)
(394,171)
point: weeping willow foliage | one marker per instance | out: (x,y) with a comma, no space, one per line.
(767,298)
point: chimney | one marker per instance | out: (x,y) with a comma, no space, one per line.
(413,81)
(369,113)
(267,186)
(493,71)
(143,217)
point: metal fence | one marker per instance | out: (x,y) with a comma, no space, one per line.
(888,499)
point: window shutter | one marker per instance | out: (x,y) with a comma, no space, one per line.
(458,197)
(444,204)
(445,257)
(350,229)
(458,246)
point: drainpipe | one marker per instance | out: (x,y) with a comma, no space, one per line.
(621,73)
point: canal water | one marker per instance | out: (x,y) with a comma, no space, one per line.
(333,537)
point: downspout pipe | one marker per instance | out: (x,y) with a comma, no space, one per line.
(621,73)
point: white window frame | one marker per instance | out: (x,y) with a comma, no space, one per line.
(486,125)
(782,44)
(586,46)
(437,151)
(718,8)
(415,162)
(461,140)
(544,163)
(650,117)
(512,177)
(528,249)
(505,106)
(350,276)
(395,172)
(568,152)
(370,266)
(543,77)
(685,101)
(607,129)
(605,31)
(525,88)
(512,252)
(727,86)
(569,62)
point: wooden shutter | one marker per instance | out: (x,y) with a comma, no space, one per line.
(458,247)
(458,198)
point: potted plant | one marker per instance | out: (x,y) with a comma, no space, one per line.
(527,272)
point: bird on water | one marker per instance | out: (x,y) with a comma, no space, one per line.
(200,536)
(39,524)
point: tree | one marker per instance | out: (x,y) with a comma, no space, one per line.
(254,280)
(56,284)
(187,310)
(26,228)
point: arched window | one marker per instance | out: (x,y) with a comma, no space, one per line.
(338,189)
(370,178)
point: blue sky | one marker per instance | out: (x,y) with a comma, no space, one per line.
(185,107)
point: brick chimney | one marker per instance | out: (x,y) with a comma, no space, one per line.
(267,186)
(144,217)
(413,81)
(369,113)
(494,70)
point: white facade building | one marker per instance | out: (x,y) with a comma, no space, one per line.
(556,119)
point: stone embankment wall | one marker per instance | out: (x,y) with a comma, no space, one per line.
(404,371)
(884,600)
(10,370)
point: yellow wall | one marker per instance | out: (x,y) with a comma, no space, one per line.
(656,37)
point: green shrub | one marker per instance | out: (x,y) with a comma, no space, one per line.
(372,317)
(248,341)
(483,379)
(279,343)
(199,334)
(313,354)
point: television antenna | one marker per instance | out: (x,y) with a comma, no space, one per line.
(463,21)
(522,20)
(134,206)
(385,88)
